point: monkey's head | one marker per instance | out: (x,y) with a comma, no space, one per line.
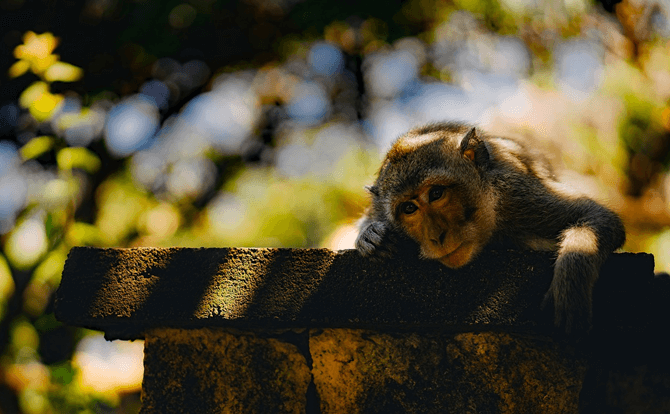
(433,186)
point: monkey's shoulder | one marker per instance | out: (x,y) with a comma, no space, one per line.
(515,154)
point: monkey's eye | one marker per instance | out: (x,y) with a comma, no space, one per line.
(408,208)
(435,193)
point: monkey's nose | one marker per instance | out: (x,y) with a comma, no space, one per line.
(440,238)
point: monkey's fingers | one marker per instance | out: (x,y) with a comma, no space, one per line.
(365,247)
(386,250)
(370,238)
(377,242)
(375,252)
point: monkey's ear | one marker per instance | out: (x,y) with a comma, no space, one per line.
(474,149)
(372,190)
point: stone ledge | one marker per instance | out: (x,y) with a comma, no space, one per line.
(124,292)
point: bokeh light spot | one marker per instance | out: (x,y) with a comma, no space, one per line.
(389,74)
(182,16)
(109,367)
(227,213)
(325,59)
(13,194)
(191,177)
(130,125)
(309,103)
(578,67)
(162,220)
(226,115)
(27,243)
(158,91)
(8,156)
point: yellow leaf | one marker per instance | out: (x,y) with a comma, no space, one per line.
(77,157)
(43,107)
(36,147)
(64,72)
(19,51)
(37,50)
(36,47)
(38,66)
(32,93)
(6,280)
(18,68)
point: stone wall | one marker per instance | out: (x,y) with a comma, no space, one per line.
(358,371)
(316,331)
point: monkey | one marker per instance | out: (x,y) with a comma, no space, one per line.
(453,190)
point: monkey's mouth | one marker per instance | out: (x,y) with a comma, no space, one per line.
(457,257)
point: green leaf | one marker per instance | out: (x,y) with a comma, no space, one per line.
(62,373)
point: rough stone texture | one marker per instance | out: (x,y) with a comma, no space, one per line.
(211,371)
(638,389)
(369,372)
(126,291)
(358,371)
(311,330)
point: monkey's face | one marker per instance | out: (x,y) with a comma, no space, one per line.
(431,187)
(438,216)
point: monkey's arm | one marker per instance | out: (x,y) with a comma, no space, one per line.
(586,233)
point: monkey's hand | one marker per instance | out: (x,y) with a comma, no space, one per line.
(570,292)
(375,240)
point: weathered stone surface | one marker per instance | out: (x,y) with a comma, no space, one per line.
(362,371)
(126,291)
(316,331)
(638,389)
(213,371)
(359,371)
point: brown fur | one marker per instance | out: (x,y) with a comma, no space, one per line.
(453,191)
